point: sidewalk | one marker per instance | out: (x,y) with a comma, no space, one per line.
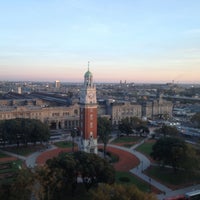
(31,159)
(178,192)
(137,171)
(13,155)
(144,164)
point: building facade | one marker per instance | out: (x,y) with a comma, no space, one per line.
(157,108)
(119,111)
(60,117)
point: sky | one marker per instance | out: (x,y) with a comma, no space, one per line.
(141,41)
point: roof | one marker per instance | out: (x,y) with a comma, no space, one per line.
(88,74)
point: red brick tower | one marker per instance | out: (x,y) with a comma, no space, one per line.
(88,115)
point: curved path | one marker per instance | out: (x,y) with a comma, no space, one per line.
(144,164)
(31,159)
(137,167)
(126,161)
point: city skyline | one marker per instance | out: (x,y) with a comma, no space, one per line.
(137,41)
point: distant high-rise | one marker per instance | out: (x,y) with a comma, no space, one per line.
(19,90)
(57,84)
(88,115)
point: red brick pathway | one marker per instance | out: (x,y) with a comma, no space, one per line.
(6,159)
(43,157)
(126,161)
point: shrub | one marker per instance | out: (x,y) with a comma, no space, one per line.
(124,179)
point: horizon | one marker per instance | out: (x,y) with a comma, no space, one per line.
(101,82)
(134,41)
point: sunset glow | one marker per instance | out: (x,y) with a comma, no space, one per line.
(137,41)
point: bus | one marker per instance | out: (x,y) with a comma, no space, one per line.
(194,195)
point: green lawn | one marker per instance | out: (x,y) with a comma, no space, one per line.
(2,155)
(167,176)
(17,164)
(123,177)
(11,168)
(128,145)
(126,139)
(146,148)
(113,158)
(25,151)
(64,144)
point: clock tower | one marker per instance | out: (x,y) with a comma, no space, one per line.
(88,115)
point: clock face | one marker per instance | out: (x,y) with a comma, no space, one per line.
(90,95)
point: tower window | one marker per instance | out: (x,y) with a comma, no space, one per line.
(75,111)
(91,125)
(91,134)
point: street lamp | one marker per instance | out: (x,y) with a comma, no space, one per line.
(73,135)
(150,184)
(18,137)
(142,165)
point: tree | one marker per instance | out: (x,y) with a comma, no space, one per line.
(142,130)
(3,134)
(120,192)
(21,187)
(104,131)
(39,131)
(64,175)
(73,135)
(192,160)
(196,120)
(127,125)
(174,152)
(21,130)
(137,122)
(168,131)
(57,178)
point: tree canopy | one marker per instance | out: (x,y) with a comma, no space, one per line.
(127,125)
(21,187)
(64,175)
(58,180)
(20,130)
(166,130)
(104,130)
(176,153)
(120,192)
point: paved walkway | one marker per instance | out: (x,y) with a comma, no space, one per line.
(138,171)
(178,192)
(31,159)
(13,155)
(144,164)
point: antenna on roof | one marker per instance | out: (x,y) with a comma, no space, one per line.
(88,65)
